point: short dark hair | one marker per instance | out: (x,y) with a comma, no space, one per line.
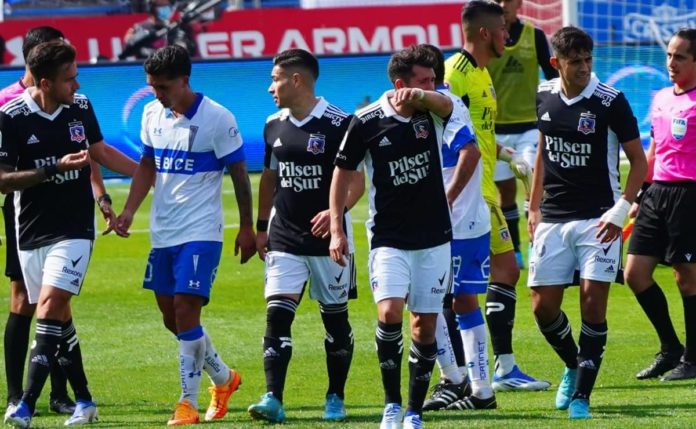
(298,58)
(439,62)
(401,63)
(39,35)
(171,62)
(569,39)
(690,35)
(45,59)
(475,11)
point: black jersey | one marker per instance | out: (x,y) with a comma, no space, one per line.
(408,207)
(63,207)
(580,149)
(302,154)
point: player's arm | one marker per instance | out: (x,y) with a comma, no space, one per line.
(321,222)
(246,239)
(12,180)
(103,198)
(112,158)
(338,196)
(469,156)
(544,54)
(266,190)
(650,155)
(143,178)
(534,216)
(518,165)
(433,101)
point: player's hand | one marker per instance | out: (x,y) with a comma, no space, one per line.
(611,223)
(634,210)
(109,216)
(321,223)
(533,219)
(338,248)
(73,161)
(407,96)
(246,242)
(608,232)
(123,223)
(520,168)
(261,243)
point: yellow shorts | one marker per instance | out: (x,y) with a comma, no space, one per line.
(500,234)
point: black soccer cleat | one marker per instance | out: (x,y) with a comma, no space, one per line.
(474,403)
(63,405)
(683,371)
(445,393)
(664,361)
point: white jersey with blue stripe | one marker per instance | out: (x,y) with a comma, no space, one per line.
(470,214)
(190,152)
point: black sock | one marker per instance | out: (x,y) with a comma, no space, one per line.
(70,360)
(48,333)
(338,344)
(559,334)
(277,343)
(654,304)
(390,349)
(453,329)
(421,360)
(690,324)
(512,218)
(500,316)
(59,382)
(593,339)
(16,346)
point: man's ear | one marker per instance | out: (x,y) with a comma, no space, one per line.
(554,62)
(399,83)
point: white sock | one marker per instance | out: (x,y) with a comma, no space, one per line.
(475,341)
(216,369)
(504,364)
(445,354)
(191,358)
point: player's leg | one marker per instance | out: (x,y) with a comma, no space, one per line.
(508,204)
(685,274)
(285,276)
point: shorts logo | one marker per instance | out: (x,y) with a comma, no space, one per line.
(606,250)
(374,285)
(688,256)
(77,132)
(75,262)
(194,284)
(421,128)
(442,279)
(316,143)
(609,269)
(678,128)
(586,124)
(75,282)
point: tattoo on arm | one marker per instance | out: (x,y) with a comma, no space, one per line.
(11,180)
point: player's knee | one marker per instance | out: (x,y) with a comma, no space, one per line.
(390,311)
(638,280)
(19,300)
(465,303)
(280,313)
(543,312)
(423,327)
(339,334)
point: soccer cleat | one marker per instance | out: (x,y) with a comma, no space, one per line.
(518,380)
(664,361)
(474,403)
(413,421)
(184,414)
(63,405)
(566,388)
(391,417)
(19,416)
(579,409)
(684,371)
(269,409)
(334,409)
(85,412)
(445,393)
(220,396)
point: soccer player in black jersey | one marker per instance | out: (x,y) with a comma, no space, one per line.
(293,229)
(409,230)
(577,210)
(46,135)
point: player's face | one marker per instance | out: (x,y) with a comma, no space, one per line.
(498,35)
(681,65)
(423,78)
(62,88)
(575,70)
(282,87)
(510,8)
(169,92)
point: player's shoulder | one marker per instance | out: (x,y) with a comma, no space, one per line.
(336,115)
(277,116)
(80,101)
(548,86)
(14,106)
(607,94)
(371,112)
(458,66)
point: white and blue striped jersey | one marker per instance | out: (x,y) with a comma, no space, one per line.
(190,153)
(471,217)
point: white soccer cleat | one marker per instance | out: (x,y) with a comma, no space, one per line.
(85,413)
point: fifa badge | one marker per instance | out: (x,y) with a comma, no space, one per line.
(586,125)
(678,128)
(77,132)
(316,143)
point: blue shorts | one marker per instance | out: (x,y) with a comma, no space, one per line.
(471,265)
(188,268)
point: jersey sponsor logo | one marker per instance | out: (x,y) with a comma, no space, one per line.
(72,272)
(567,154)
(77,131)
(384,142)
(604,260)
(336,120)
(277,143)
(586,124)
(81,102)
(157,132)
(59,178)
(316,143)
(678,128)
(546,117)
(420,126)
(32,139)
(374,114)
(410,169)
(299,177)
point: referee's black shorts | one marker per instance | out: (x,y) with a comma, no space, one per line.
(12,268)
(666,223)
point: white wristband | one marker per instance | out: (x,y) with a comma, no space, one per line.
(506,153)
(420,94)
(617,214)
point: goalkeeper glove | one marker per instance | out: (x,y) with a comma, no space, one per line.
(518,165)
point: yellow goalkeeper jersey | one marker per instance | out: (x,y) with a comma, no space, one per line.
(475,87)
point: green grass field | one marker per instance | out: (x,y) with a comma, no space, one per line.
(131,360)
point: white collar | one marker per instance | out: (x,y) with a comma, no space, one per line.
(585,93)
(35,108)
(317,112)
(388,109)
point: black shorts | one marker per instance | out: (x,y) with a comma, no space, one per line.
(666,223)
(12,268)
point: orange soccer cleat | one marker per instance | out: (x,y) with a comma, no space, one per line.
(184,414)
(220,395)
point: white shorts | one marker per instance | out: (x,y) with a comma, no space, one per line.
(421,277)
(524,143)
(329,283)
(561,248)
(62,265)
